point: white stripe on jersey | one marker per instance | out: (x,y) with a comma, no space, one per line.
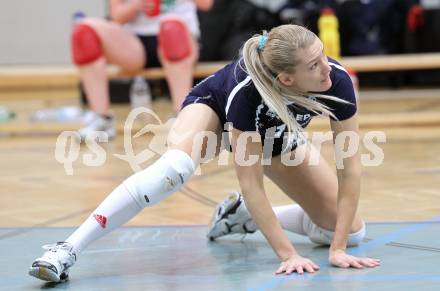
(235,90)
(338,67)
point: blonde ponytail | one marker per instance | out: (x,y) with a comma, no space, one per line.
(264,60)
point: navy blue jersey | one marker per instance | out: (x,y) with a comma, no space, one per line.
(232,95)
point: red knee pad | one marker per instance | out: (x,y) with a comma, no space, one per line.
(86,45)
(174,40)
(153,8)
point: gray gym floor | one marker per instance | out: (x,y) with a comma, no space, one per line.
(180,258)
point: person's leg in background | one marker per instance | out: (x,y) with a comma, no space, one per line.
(95,43)
(178,52)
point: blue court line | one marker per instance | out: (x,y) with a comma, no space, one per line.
(370,278)
(278,280)
(373,278)
(117,282)
(390,237)
(120,281)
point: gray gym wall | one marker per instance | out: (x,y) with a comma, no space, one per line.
(38,31)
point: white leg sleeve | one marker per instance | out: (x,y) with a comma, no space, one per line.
(116,209)
(322,236)
(290,217)
(142,189)
(161,179)
(293,218)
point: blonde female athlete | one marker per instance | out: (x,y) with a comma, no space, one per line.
(282,79)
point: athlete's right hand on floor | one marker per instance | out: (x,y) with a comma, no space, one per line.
(298,264)
(339,258)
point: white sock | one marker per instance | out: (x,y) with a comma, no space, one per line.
(290,217)
(118,208)
(293,218)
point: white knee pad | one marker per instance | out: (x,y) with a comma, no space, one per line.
(161,179)
(322,236)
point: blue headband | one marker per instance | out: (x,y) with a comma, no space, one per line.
(262,42)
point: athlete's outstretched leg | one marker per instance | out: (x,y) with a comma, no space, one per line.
(96,43)
(145,188)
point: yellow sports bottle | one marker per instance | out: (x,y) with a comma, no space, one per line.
(329,33)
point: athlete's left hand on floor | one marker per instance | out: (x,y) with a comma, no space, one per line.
(340,258)
(298,264)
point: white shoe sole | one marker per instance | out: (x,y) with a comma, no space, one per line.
(219,227)
(42,272)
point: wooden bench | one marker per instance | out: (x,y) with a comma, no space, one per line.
(65,78)
(46,77)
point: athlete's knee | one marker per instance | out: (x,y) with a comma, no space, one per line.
(162,178)
(86,44)
(323,236)
(315,233)
(174,40)
(355,238)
